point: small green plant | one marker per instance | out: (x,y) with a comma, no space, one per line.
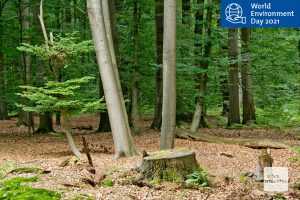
(242,179)
(198,179)
(16,189)
(296,158)
(107,182)
(279,196)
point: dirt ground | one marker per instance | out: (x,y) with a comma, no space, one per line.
(47,151)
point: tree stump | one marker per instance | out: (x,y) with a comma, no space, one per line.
(168,165)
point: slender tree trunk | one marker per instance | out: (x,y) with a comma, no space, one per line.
(45,125)
(123,141)
(169,76)
(186,11)
(136,81)
(24,24)
(3,103)
(67,126)
(223,48)
(248,103)
(159,24)
(233,77)
(104,124)
(198,62)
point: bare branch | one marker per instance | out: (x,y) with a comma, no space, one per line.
(41,17)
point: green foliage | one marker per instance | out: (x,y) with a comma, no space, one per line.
(67,46)
(15,189)
(198,179)
(279,196)
(296,158)
(107,182)
(58,96)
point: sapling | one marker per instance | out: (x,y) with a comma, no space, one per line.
(56,95)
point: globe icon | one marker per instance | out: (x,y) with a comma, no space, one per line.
(234,13)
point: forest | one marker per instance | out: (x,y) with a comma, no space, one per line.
(145,99)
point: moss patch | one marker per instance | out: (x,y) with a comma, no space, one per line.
(16,189)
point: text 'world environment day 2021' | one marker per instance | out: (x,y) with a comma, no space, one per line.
(260,13)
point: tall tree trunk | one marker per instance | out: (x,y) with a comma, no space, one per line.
(201,63)
(24,24)
(104,124)
(159,25)
(45,125)
(233,77)
(186,11)
(248,104)
(136,81)
(123,141)
(3,103)
(169,77)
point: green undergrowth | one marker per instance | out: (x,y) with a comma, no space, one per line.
(18,189)
(198,179)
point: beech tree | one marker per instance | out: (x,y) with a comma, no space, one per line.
(248,104)
(100,26)
(233,77)
(169,76)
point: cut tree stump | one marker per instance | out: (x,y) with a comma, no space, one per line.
(168,165)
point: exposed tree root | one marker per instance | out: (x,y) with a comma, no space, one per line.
(251,143)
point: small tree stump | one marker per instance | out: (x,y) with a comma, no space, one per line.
(169,165)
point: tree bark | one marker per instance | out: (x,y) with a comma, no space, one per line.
(169,76)
(104,124)
(136,81)
(3,103)
(46,124)
(233,77)
(123,142)
(248,103)
(159,26)
(68,132)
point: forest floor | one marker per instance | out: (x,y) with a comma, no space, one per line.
(47,152)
